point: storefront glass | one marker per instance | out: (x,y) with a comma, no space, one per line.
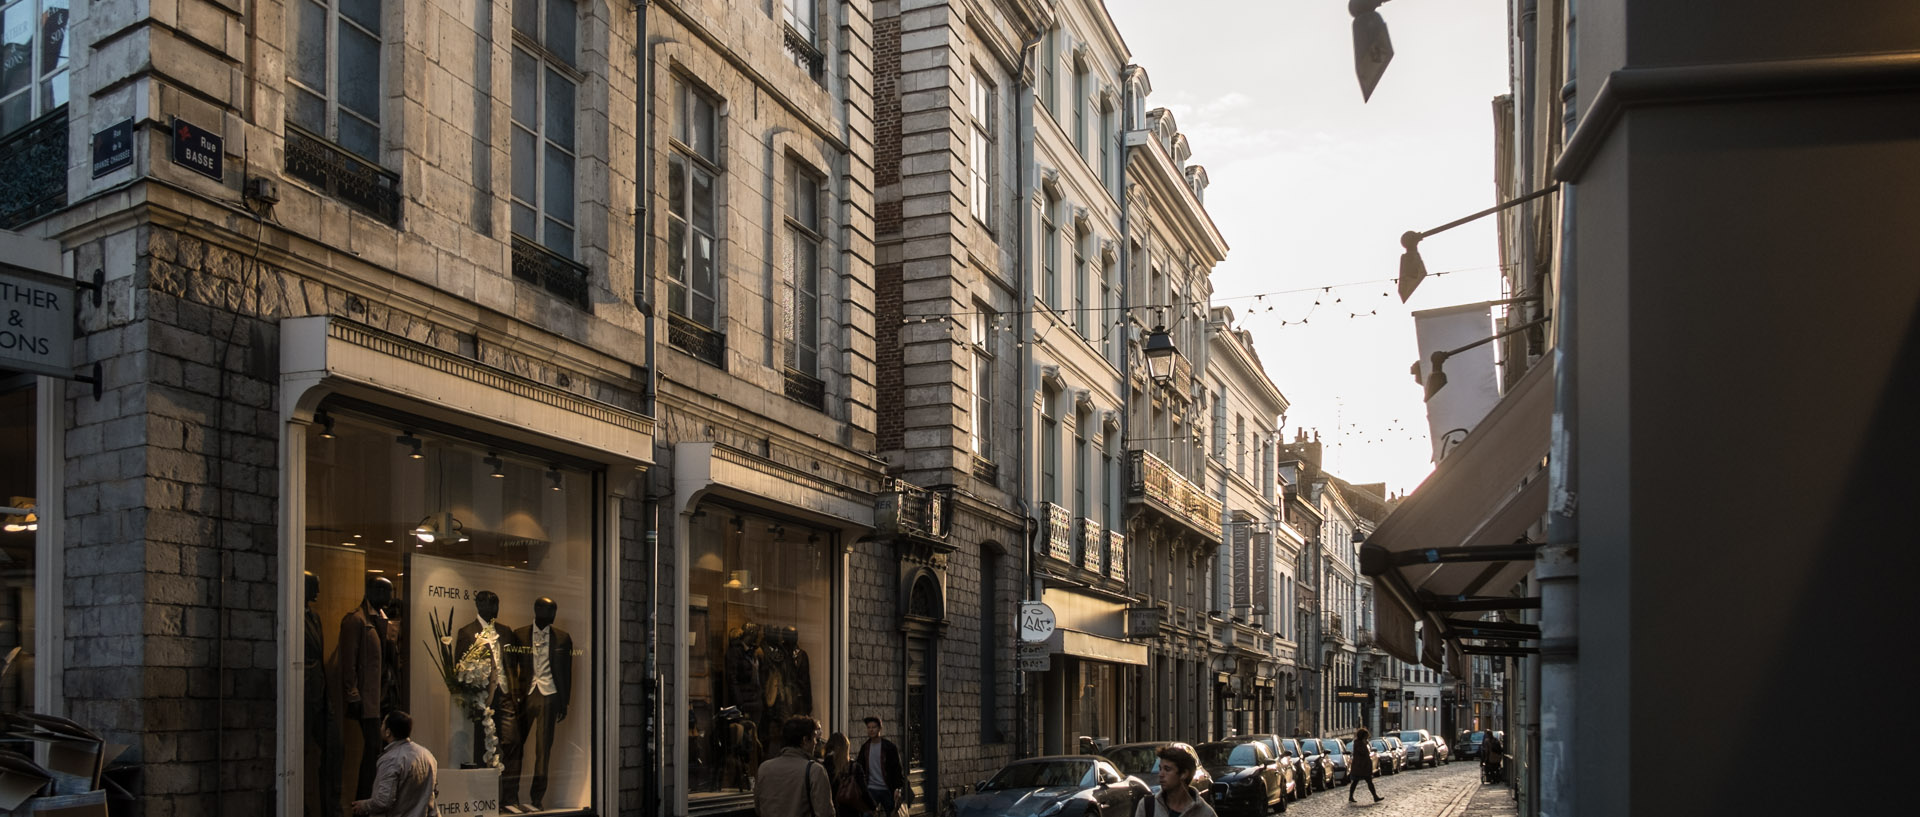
(761,599)
(453,582)
(18,557)
(1097,710)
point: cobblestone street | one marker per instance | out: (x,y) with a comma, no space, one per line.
(1447,791)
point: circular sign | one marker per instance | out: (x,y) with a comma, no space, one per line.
(1036,621)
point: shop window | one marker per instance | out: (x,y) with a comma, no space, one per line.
(760,635)
(444,579)
(33,80)
(18,436)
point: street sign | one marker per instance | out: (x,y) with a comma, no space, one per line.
(198,149)
(113,148)
(1032,657)
(1036,621)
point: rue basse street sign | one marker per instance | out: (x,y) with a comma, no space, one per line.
(198,149)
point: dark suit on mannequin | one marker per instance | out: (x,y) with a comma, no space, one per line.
(546,679)
(323,747)
(363,671)
(505,703)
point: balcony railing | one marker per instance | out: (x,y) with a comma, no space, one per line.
(806,390)
(708,345)
(33,170)
(1333,628)
(1152,479)
(1093,542)
(550,271)
(1058,535)
(1116,555)
(804,53)
(358,183)
(908,509)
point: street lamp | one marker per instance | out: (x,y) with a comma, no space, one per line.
(1413,268)
(1160,352)
(1437,378)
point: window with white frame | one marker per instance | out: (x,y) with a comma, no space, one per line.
(803,273)
(1050,445)
(1050,252)
(1083,472)
(1106,137)
(803,16)
(1110,316)
(981,96)
(1082,286)
(1080,109)
(545,33)
(983,374)
(333,70)
(1049,54)
(693,204)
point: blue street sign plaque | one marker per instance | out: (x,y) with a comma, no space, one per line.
(113,148)
(198,149)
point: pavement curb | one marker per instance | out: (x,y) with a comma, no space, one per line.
(1462,800)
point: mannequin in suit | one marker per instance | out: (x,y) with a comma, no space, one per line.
(546,678)
(502,698)
(323,734)
(363,671)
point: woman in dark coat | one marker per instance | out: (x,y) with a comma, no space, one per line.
(1361,767)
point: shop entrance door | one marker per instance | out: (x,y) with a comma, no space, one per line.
(922,736)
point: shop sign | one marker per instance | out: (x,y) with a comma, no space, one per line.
(468,792)
(1350,694)
(198,149)
(113,148)
(1032,657)
(36,323)
(1144,622)
(1036,621)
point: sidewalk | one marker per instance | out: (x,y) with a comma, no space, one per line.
(1495,800)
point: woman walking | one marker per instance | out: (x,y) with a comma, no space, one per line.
(1362,766)
(850,797)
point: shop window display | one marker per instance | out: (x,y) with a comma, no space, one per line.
(760,621)
(18,436)
(451,581)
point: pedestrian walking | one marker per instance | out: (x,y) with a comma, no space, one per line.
(850,798)
(790,784)
(1361,767)
(1177,797)
(404,776)
(879,766)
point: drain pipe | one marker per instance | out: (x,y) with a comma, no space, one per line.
(1551,708)
(1023,260)
(650,795)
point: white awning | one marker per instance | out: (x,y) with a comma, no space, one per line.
(1098,648)
(1488,491)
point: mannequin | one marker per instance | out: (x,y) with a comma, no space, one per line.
(501,694)
(323,747)
(742,666)
(364,672)
(546,678)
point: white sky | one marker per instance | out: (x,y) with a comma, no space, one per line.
(1312,188)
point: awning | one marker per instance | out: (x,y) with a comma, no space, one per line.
(1461,535)
(1098,648)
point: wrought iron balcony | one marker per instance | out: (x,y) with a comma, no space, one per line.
(33,170)
(1333,628)
(1151,480)
(1093,542)
(804,53)
(550,271)
(1116,555)
(806,390)
(1057,536)
(356,182)
(708,345)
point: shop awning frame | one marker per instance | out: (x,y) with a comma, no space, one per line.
(1459,543)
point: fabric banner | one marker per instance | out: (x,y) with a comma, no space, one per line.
(1472,387)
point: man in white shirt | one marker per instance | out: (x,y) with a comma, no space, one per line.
(405,777)
(546,667)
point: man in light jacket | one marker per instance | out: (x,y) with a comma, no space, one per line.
(790,784)
(403,784)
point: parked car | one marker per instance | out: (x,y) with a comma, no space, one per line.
(1246,777)
(1067,785)
(1421,750)
(1289,764)
(1142,760)
(1336,754)
(1386,757)
(1314,766)
(1446,752)
(1470,742)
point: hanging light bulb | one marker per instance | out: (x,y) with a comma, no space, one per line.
(494,462)
(406,438)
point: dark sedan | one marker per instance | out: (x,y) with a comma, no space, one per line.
(1468,747)
(1142,760)
(1385,759)
(1246,777)
(1336,756)
(1290,770)
(1060,786)
(1318,769)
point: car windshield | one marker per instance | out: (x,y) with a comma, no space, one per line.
(1332,747)
(1041,775)
(1288,745)
(1378,745)
(1229,755)
(1135,759)
(1476,737)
